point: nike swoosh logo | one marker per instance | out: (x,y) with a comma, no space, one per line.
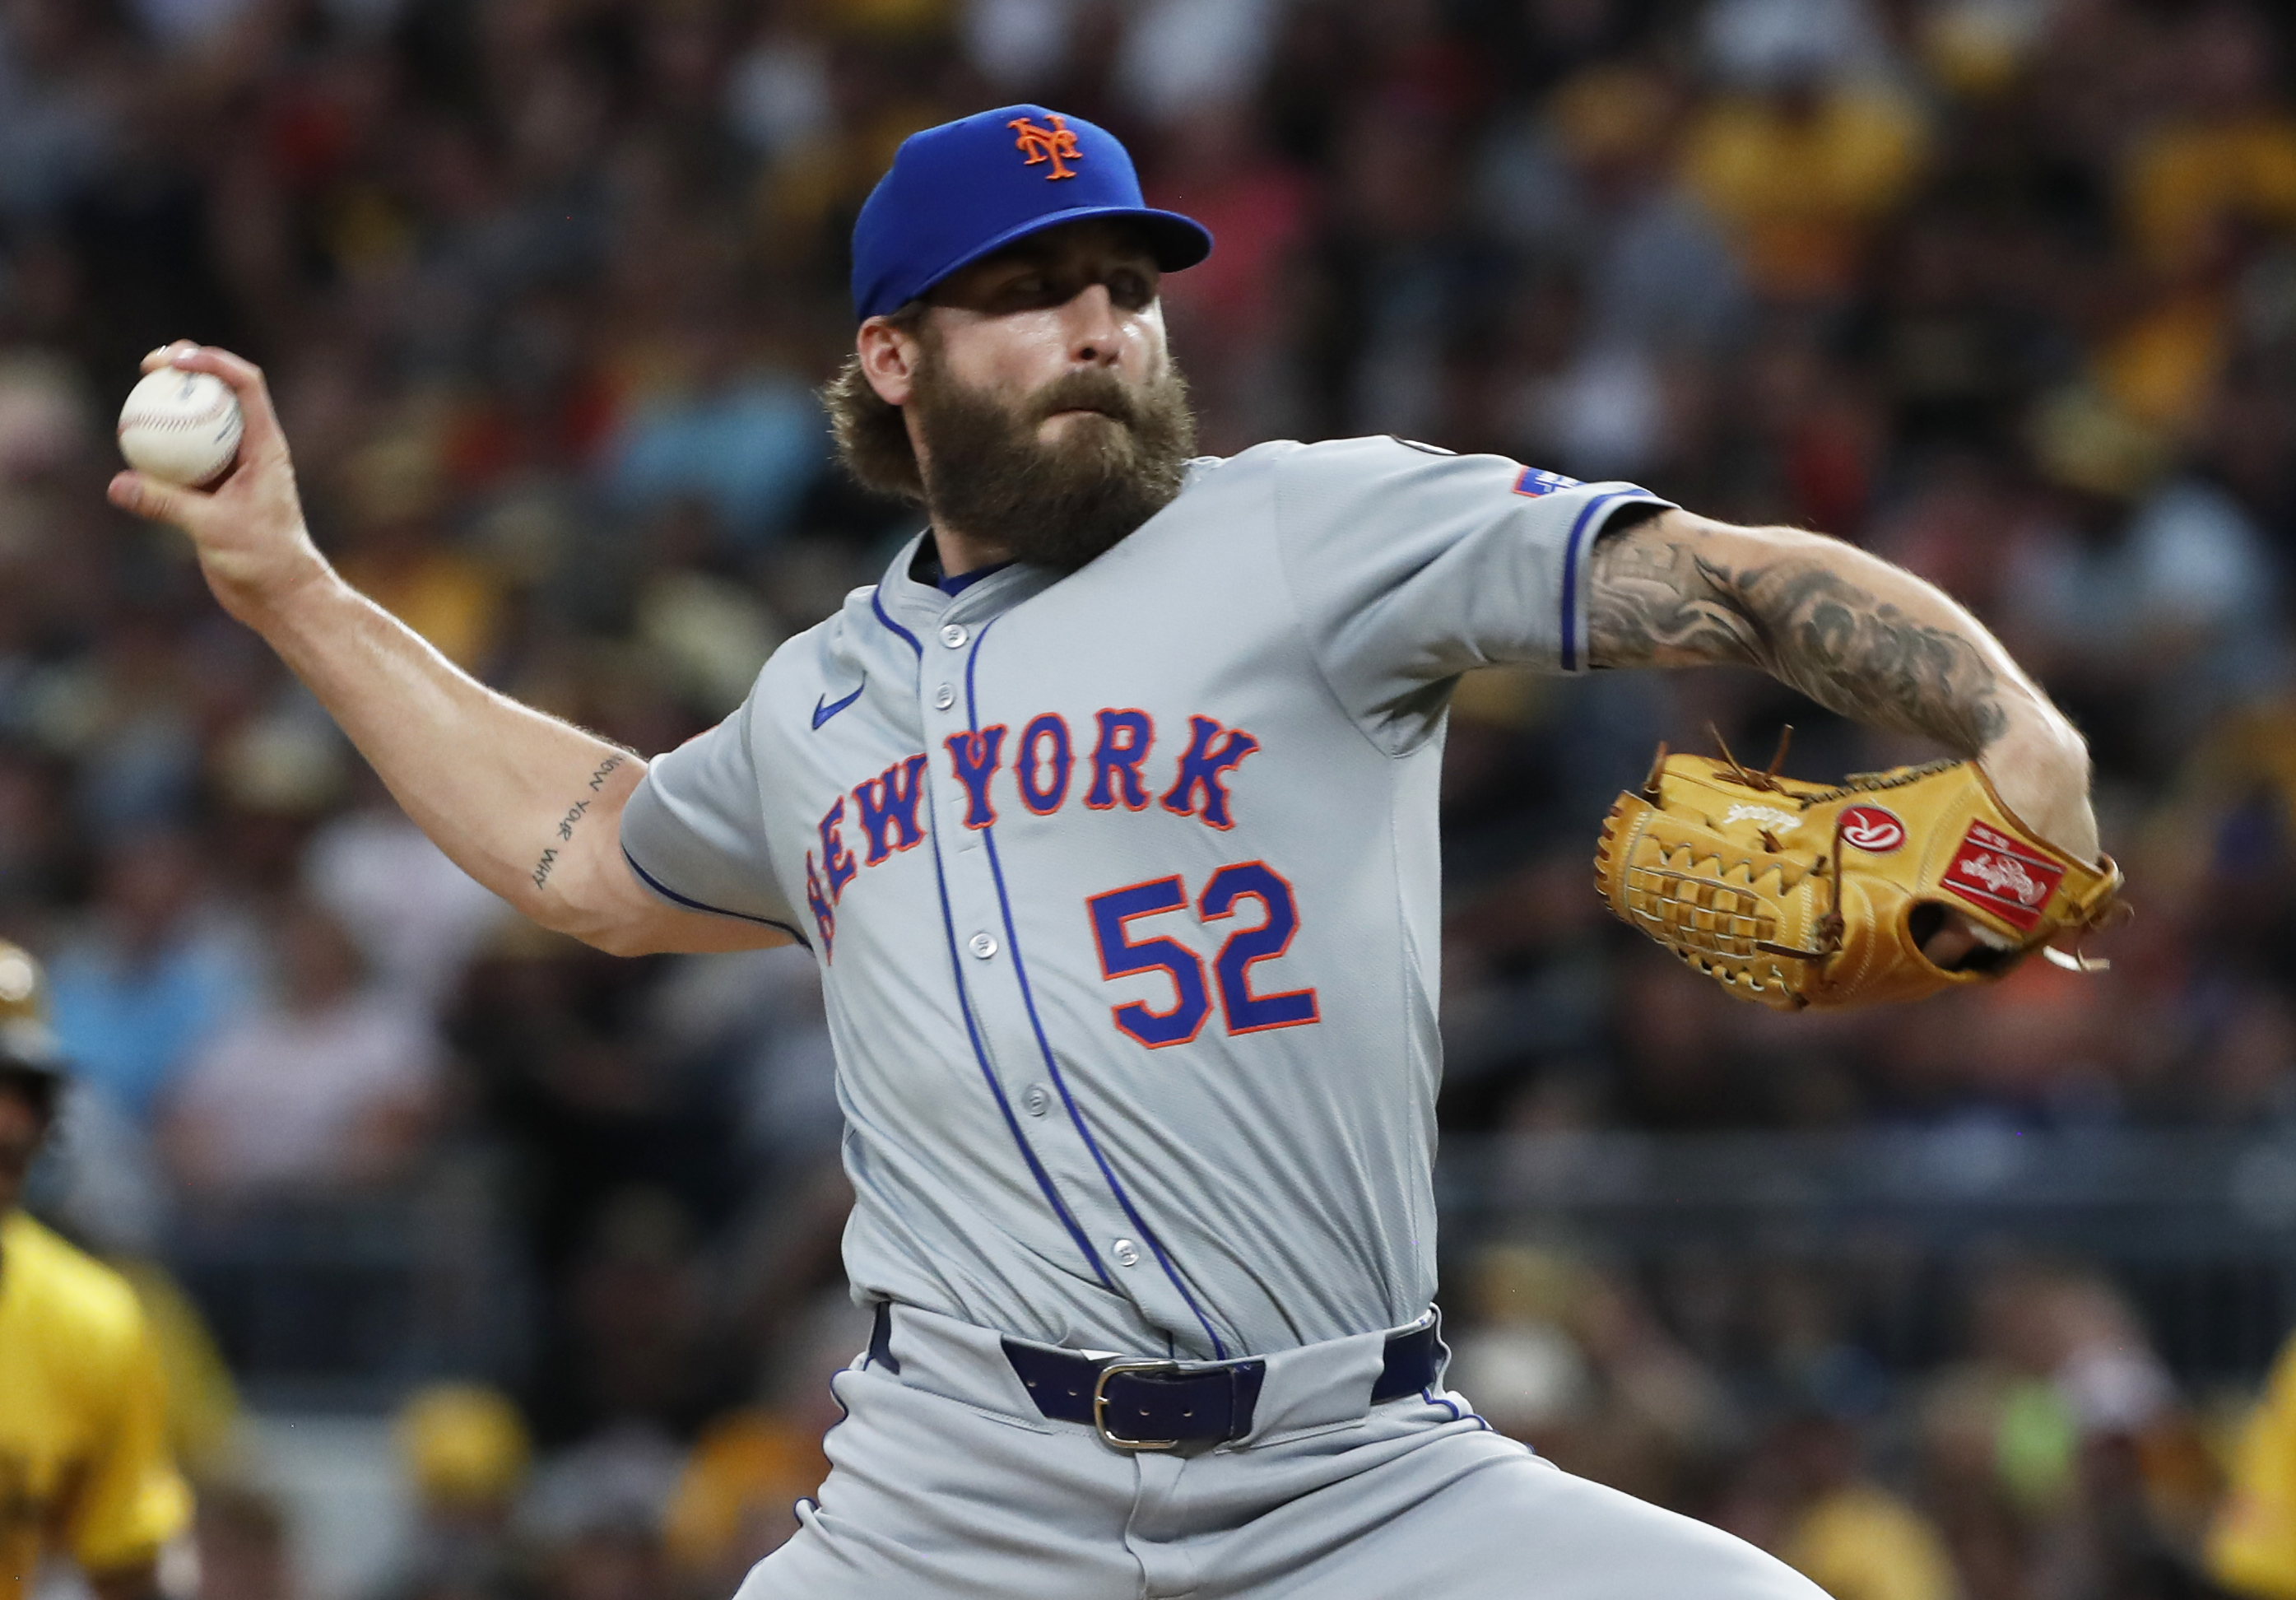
(823,710)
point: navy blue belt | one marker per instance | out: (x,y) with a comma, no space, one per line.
(1136,1404)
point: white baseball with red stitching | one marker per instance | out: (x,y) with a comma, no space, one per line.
(182,427)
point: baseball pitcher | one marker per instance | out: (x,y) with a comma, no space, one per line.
(1109,813)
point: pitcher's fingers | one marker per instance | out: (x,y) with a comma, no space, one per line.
(165,354)
(259,423)
(150,498)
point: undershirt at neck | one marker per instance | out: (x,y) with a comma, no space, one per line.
(925,567)
(965,580)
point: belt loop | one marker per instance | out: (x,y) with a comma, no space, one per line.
(1412,1361)
(1245,1379)
(880,1340)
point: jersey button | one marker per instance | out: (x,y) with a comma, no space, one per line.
(1126,1254)
(953,635)
(945,696)
(1036,1100)
(984,945)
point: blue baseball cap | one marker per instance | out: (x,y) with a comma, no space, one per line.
(959,191)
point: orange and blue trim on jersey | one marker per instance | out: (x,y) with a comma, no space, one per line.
(1044,1044)
(1570,557)
(972,1034)
(1026,763)
(1115,763)
(877,604)
(690,904)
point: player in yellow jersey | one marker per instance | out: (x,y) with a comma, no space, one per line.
(85,1473)
(2252,1549)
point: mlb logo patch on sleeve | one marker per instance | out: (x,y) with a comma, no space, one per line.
(1534,483)
(1990,871)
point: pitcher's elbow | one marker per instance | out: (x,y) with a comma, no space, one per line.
(618,936)
(616,929)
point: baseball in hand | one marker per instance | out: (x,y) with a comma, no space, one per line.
(179,426)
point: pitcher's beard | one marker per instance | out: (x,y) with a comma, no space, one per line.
(1063,504)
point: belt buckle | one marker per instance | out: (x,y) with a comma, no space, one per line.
(1099,1405)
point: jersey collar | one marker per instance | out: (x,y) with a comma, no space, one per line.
(924,604)
(918,604)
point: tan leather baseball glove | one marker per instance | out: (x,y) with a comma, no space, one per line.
(1798,895)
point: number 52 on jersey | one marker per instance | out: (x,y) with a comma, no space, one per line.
(1125,952)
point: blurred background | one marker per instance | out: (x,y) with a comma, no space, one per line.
(490,1267)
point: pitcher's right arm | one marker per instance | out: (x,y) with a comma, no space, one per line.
(527,804)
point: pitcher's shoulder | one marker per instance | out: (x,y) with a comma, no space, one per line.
(1368,452)
(1250,470)
(829,644)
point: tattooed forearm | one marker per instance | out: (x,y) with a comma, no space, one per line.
(609,764)
(574,814)
(1914,661)
(1862,656)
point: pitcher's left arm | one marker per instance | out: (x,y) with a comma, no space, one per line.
(1856,634)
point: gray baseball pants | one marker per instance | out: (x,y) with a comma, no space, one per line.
(946,1482)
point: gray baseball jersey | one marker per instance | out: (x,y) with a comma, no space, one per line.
(1125,891)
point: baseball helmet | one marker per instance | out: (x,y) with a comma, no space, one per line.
(29,1051)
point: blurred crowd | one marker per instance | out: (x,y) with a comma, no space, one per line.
(2004,290)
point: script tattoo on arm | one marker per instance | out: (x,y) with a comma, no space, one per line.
(1804,610)
(574,814)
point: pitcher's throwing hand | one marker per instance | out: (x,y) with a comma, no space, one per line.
(247,529)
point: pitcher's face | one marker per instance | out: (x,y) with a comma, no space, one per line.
(1048,417)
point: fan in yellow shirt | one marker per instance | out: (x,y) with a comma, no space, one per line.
(84,1473)
(2252,1549)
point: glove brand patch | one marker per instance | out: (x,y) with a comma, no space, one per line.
(1534,483)
(1872,829)
(1056,144)
(1989,871)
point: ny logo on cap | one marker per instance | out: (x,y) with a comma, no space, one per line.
(1055,144)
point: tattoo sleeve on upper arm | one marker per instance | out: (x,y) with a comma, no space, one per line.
(1654,600)
(1651,603)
